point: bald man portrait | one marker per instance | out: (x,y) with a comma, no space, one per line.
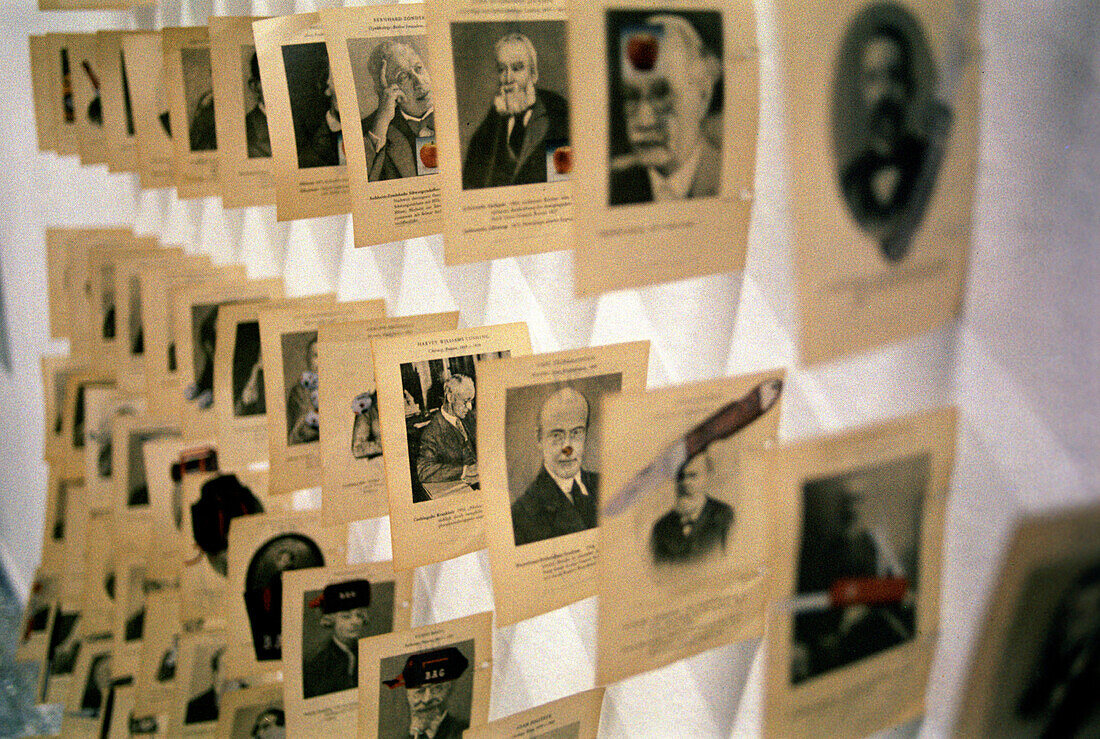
(562,499)
(668,79)
(405,112)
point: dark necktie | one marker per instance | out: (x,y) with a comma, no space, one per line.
(515,139)
(583,504)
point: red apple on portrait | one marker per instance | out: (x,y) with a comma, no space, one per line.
(641,51)
(563,159)
(429,156)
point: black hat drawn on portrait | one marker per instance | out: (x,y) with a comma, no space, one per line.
(891,117)
(429,668)
(343,596)
(221,499)
(263,595)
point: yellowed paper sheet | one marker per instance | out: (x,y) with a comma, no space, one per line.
(856,546)
(120,138)
(427,405)
(244,144)
(391,156)
(130,272)
(33,639)
(288,337)
(87,99)
(201,682)
(239,400)
(1032,671)
(252,712)
(196,316)
(98,559)
(540,429)
(156,680)
(94,4)
(64,496)
(103,259)
(310,169)
(152,121)
(57,266)
(683,521)
(42,86)
(101,407)
(399,673)
(574,717)
(124,715)
(506,124)
(55,383)
(61,97)
(353,472)
(190,94)
(70,459)
(168,462)
(85,251)
(65,642)
(326,611)
(666,130)
(883,191)
(261,548)
(131,488)
(130,612)
(88,690)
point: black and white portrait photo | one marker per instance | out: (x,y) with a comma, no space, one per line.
(513,102)
(697,524)
(204,338)
(107,300)
(256,136)
(300,387)
(204,692)
(552,451)
(134,626)
(265,721)
(857,527)
(333,621)
(366,431)
(441,425)
(96,685)
(263,584)
(664,105)
(318,132)
(137,328)
(198,95)
(137,486)
(248,371)
(427,693)
(889,129)
(393,85)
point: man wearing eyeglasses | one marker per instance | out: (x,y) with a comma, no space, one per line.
(562,499)
(668,79)
(448,446)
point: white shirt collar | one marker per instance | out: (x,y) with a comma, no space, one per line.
(678,185)
(414,119)
(566,485)
(526,119)
(352,657)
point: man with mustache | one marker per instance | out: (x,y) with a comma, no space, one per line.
(562,499)
(509,147)
(668,79)
(879,182)
(405,111)
(698,525)
(428,679)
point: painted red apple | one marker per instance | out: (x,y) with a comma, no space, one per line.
(563,159)
(429,156)
(641,50)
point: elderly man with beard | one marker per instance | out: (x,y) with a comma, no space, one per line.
(562,499)
(509,147)
(405,111)
(674,148)
(345,609)
(697,525)
(428,679)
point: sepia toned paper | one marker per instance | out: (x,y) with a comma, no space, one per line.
(62,104)
(1032,672)
(436,509)
(244,143)
(252,712)
(57,266)
(152,121)
(88,690)
(98,559)
(190,93)
(574,717)
(261,548)
(288,337)
(83,279)
(64,644)
(201,683)
(70,459)
(120,136)
(882,210)
(856,545)
(103,259)
(87,99)
(102,407)
(196,316)
(156,679)
(168,462)
(310,167)
(683,521)
(326,612)
(666,117)
(540,426)
(130,272)
(64,498)
(131,485)
(353,472)
(506,122)
(390,141)
(239,401)
(131,609)
(55,382)
(94,4)
(451,661)
(33,639)
(42,86)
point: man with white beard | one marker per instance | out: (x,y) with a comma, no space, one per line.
(510,145)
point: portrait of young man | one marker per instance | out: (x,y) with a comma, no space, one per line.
(665,106)
(198,86)
(525,116)
(345,618)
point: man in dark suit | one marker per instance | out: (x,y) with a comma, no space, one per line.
(448,445)
(204,706)
(509,147)
(697,525)
(405,111)
(345,610)
(256,135)
(674,138)
(324,145)
(563,497)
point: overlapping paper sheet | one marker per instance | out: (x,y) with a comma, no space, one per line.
(541,430)
(856,546)
(120,136)
(145,75)
(190,90)
(574,717)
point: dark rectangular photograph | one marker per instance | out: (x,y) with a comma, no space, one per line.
(318,131)
(423,689)
(300,387)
